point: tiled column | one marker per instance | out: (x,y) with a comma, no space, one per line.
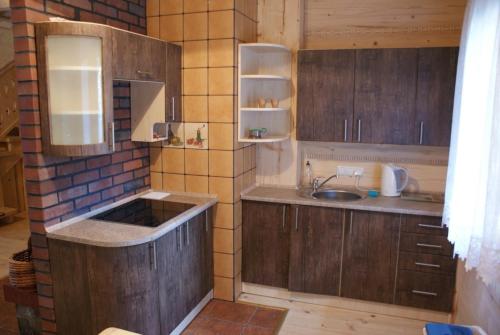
(209,32)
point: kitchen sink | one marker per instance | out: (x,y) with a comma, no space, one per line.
(336,195)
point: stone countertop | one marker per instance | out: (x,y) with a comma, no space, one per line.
(290,195)
(83,230)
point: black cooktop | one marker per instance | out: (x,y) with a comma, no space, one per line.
(144,212)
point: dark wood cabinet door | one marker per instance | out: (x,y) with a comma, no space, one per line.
(325,95)
(266,244)
(316,249)
(137,57)
(173,307)
(435,93)
(123,286)
(384,96)
(370,256)
(173,84)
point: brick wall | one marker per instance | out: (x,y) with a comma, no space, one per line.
(59,188)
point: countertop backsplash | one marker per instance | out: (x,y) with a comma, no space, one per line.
(427,166)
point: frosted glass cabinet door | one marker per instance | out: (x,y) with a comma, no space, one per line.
(75,92)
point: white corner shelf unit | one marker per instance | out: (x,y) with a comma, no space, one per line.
(264,73)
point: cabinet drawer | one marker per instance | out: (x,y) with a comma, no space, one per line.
(425,290)
(426,263)
(426,244)
(423,225)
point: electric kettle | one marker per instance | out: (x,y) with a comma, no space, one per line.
(394,180)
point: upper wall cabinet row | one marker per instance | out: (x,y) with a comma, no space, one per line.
(77,63)
(380,96)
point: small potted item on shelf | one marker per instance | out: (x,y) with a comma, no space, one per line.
(275,103)
(262,103)
(257,132)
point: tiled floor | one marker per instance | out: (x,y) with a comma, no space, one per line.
(228,318)
(13,238)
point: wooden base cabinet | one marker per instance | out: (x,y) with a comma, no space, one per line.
(382,257)
(316,250)
(148,288)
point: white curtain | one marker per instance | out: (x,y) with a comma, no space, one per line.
(472,205)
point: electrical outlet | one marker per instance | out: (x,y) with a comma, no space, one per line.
(349,171)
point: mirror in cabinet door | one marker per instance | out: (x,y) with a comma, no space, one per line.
(173,85)
(76,119)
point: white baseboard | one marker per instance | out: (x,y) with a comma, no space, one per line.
(190,317)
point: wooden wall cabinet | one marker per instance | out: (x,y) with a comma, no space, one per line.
(173,87)
(316,249)
(266,243)
(379,96)
(382,257)
(148,288)
(76,119)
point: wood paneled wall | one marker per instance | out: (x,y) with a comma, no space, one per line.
(342,24)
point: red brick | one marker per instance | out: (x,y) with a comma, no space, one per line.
(23,29)
(85,177)
(27,15)
(132,165)
(60,10)
(27,87)
(111,170)
(138,30)
(34,4)
(51,212)
(83,4)
(121,156)
(122,178)
(39,173)
(121,114)
(112,192)
(141,172)
(29,118)
(118,4)
(124,195)
(26,59)
(105,10)
(28,102)
(117,24)
(31,145)
(98,162)
(49,326)
(45,302)
(125,124)
(39,240)
(42,201)
(30,132)
(136,10)
(70,168)
(121,91)
(40,160)
(40,253)
(91,17)
(72,193)
(140,153)
(25,73)
(48,186)
(37,227)
(87,200)
(47,313)
(100,185)
(42,266)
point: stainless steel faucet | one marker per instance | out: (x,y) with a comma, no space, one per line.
(317,185)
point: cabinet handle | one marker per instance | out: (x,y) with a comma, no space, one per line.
(155,258)
(428,265)
(144,72)
(350,225)
(111,137)
(297,218)
(421,225)
(172,102)
(432,246)
(359,130)
(206,220)
(180,237)
(421,140)
(430,294)
(345,130)
(284,217)
(187,232)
